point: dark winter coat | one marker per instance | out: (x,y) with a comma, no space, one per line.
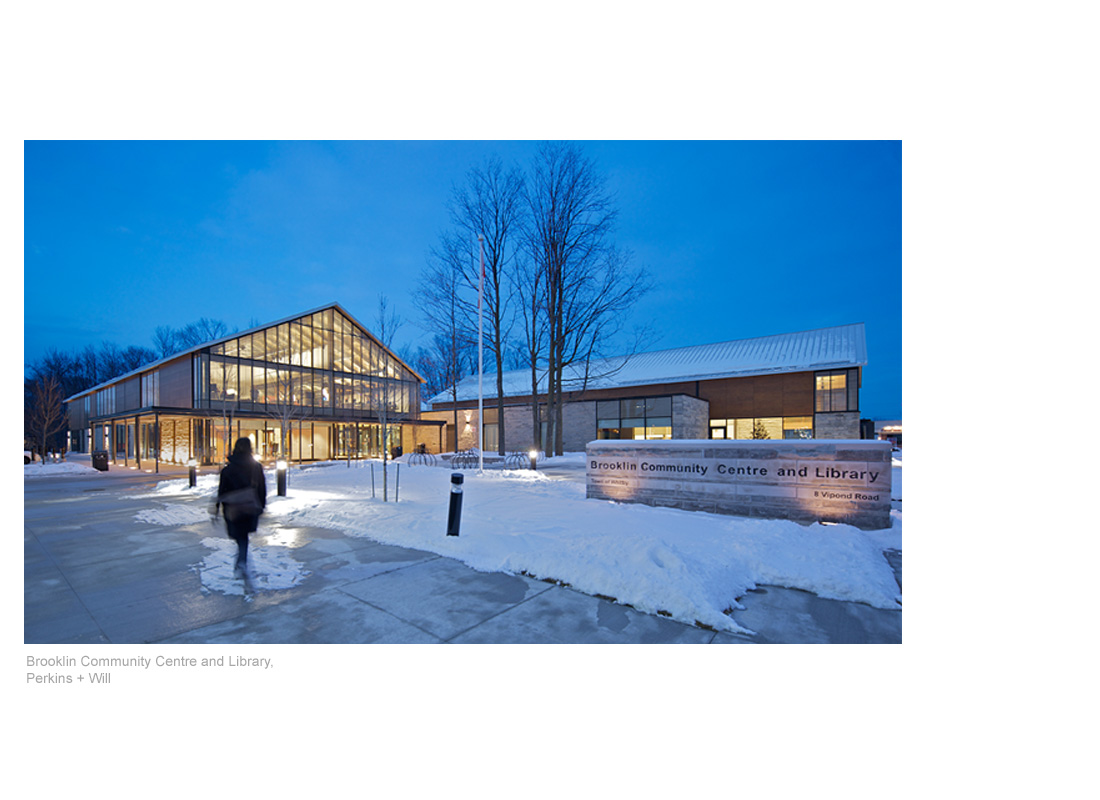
(242,493)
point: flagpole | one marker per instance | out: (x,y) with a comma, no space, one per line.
(480,360)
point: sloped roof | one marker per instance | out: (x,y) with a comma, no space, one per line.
(824,348)
(214,342)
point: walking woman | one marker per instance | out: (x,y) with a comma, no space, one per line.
(242,496)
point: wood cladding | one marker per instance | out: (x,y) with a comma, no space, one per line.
(787,395)
(175,383)
(128,395)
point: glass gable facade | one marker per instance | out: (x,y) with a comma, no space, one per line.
(314,387)
(322,364)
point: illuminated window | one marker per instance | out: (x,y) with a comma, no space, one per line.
(762,428)
(634,418)
(334,367)
(490,432)
(836,390)
(798,427)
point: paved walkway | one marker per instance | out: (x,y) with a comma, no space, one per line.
(94,573)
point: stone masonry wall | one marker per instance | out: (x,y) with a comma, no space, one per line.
(175,441)
(690,417)
(578,425)
(837,425)
(805,480)
(517,428)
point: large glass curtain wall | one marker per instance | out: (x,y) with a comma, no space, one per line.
(321,364)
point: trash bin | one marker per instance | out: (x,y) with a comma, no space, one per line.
(99,460)
(395,452)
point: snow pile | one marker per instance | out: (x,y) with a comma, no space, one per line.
(38,469)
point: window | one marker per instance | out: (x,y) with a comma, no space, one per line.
(200,380)
(150,389)
(762,428)
(798,427)
(105,401)
(634,418)
(491,435)
(836,390)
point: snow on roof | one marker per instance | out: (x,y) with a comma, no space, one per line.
(824,348)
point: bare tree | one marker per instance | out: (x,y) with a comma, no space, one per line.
(45,413)
(528,289)
(392,404)
(169,341)
(595,315)
(89,366)
(387,322)
(436,364)
(490,205)
(447,313)
(586,285)
(165,341)
(93,365)
(66,369)
(200,332)
(286,406)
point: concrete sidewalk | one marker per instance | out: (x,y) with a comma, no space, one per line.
(94,573)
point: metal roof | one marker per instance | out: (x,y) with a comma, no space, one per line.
(824,348)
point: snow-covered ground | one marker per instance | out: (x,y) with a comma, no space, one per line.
(38,469)
(689,565)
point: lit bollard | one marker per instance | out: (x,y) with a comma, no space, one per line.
(454,516)
(192,469)
(534,454)
(280,477)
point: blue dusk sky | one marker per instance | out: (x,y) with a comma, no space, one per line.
(741,239)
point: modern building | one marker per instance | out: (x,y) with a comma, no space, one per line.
(311,387)
(888,430)
(793,385)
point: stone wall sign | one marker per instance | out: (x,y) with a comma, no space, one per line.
(807,480)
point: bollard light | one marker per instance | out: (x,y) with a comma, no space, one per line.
(454,515)
(534,454)
(280,477)
(191,472)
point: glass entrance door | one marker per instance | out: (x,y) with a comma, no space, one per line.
(268,444)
